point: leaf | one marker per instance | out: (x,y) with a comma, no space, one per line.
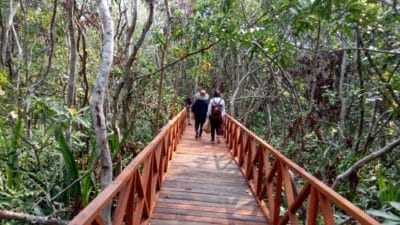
(14,115)
(226,5)
(395,205)
(389,222)
(116,147)
(83,121)
(13,178)
(383,214)
(71,166)
(73,111)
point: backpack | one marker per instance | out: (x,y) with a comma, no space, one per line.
(216,110)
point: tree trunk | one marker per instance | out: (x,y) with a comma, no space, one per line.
(238,87)
(71,86)
(164,53)
(342,99)
(97,102)
(72,56)
(6,32)
(31,219)
(362,91)
(19,57)
(130,57)
(238,82)
(50,51)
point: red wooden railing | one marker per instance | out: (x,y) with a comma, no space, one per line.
(270,176)
(135,190)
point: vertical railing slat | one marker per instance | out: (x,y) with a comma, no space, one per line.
(122,203)
(312,211)
(326,210)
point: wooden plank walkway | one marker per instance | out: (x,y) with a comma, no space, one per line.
(204,186)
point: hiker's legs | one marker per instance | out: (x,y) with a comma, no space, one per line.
(188,115)
(218,124)
(214,126)
(197,126)
(201,123)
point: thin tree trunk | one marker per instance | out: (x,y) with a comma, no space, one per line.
(238,82)
(361,98)
(97,102)
(6,32)
(130,57)
(163,56)
(19,48)
(71,86)
(84,58)
(315,73)
(27,60)
(72,56)
(50,51)
(237,89)
(17,67)
(343,100)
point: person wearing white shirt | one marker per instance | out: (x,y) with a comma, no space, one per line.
(216,113)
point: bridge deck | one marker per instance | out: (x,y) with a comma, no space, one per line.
(204,186)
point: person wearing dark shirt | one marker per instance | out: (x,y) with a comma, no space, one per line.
(199,109)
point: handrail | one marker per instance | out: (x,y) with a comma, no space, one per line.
(269,174)
(135,190)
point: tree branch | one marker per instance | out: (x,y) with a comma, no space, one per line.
(282,72)
(178,60)
(362,162)
(50,51)
(392,52)
(32,219)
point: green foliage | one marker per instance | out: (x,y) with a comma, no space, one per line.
(71,168)
(322,8)
(388,190)
(11,148)
(390,213)
(4,83)
(88,183)
(298,39)
(116,145)
(226,5)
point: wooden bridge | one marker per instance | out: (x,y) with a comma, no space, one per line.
(178,179)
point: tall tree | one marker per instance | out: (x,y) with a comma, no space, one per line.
(71,90)
(6,29)
(164,52)
(97,102)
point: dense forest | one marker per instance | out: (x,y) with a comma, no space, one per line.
(85,85)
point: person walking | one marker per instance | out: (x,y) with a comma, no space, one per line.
(188,104)
(199,110)
(201,96)
(216,113)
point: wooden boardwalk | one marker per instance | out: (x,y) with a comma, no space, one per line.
(204,186)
